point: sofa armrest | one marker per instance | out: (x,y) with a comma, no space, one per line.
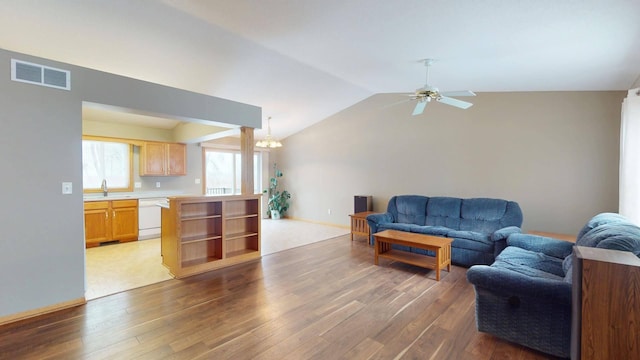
(374,220)
(503,234)
(511,283)
(500,236)
(546,245)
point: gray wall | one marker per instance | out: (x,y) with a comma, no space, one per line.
(555,153)
(42,241)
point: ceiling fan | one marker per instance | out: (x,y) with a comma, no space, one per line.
(425,94)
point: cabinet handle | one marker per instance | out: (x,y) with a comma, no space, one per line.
(106,215)
(114,214)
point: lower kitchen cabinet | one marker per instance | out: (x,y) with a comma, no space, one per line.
(97,227)
(106,221)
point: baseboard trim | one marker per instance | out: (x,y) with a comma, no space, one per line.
(318,222)
(41,311)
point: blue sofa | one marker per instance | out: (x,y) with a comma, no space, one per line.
(479,227)
(525,295)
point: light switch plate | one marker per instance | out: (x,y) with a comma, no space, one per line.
(197,181)
(137,185)
(67,188)
(158,184)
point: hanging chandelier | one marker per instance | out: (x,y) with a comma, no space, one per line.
(268,142)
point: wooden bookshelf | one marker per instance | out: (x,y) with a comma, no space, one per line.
(205,233)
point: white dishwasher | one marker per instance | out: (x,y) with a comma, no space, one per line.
(149,219)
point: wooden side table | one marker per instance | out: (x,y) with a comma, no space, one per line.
(359,225)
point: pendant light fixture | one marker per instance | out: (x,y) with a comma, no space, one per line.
(268,142)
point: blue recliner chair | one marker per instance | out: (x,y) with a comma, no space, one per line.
(525,295)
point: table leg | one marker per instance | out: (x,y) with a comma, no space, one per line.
(438,264)
(352,229)
(376,251)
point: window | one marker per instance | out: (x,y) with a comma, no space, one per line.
(629,191)
(222,172)
(106,160)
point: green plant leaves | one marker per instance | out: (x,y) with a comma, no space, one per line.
(278,201)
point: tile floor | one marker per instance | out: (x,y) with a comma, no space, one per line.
(114,268)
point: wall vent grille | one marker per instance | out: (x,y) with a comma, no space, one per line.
(40,75)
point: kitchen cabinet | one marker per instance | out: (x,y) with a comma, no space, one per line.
(115,220)
(163,159)
(203,233)
(96,218)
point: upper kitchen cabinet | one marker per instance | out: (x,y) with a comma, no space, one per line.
(163,159)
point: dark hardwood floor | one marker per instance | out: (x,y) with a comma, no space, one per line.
(321,301)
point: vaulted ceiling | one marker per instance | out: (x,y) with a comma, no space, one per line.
(304,60)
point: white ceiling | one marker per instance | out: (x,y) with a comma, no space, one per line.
(304,60)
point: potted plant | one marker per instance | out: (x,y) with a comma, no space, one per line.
(278,200)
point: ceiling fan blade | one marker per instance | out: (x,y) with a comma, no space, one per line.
(458,93)
(419,108)
(455,102)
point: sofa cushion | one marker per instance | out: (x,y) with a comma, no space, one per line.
(408,209)
(482,215)
(395,226)
(430,230)
(471,235)
(444,211)
(530,263)
(480,246)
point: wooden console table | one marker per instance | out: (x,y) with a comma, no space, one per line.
(440,245)
(606,303)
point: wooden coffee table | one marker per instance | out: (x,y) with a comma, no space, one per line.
(440,245)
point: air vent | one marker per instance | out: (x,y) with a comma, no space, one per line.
(40,75)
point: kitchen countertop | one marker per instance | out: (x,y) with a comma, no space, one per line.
(130,195)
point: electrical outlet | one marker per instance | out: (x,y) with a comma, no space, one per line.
(158,184)
(67,188)
(137,185)
(197,181)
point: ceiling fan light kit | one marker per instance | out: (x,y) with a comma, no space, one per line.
(425,94)
(268,142)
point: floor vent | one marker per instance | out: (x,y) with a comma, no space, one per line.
(40,75)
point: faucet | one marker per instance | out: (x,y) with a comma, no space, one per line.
(105,190)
